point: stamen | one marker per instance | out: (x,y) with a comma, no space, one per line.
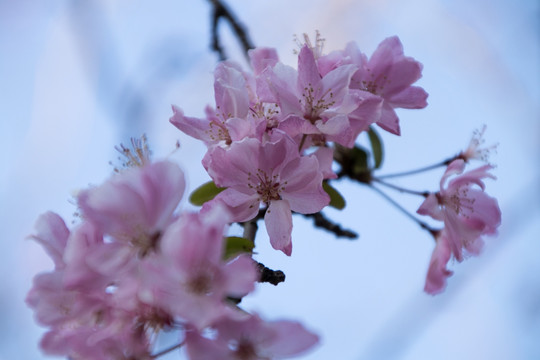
(313,106)
(372,85)
(460,202)
(245,350)
(476,148)
(201,282)
(268,188)
(316,48)
(136,156)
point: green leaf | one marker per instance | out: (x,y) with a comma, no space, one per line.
(235,245)
(376,146)
(336,200)
(204,193)
(359,157)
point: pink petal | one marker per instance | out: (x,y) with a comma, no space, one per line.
(200,348)
(337,81)
(232,99)
(241,276)
(241,206)
(230,167)
(325,157)
(291,340)
(52,234)
(431,207)
(262,57)
(437,272)
(283,82)
(389,120)
(163,187)
(413,97)
(303,191)
(195,127)
(308,72)
(278,221)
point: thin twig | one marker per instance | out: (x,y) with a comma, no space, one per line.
(319,220)
(419,170)
(399,188)
(168,350)
(221,11)
(422,224)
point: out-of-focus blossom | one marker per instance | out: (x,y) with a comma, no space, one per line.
(189,277)
(251,339)
(467,211)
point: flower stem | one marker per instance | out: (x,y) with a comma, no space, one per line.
(419,170)
(168,350)
(399,188)
(302,142)
(422,224)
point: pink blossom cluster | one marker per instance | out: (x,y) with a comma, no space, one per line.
(134,267)
(269,133)
(468,214)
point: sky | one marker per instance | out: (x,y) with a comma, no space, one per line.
(79,77)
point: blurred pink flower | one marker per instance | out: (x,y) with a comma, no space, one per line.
(467,211)
(134,206)
(251,338)
(189,277)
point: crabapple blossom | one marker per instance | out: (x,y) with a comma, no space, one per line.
(189,277)
(271,173)
(467,211)
(311,104)
(228,121)
(82,319)
(251,338)
(134,207)
(388,75)
(134,265)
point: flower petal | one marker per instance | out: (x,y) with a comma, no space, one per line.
(278,221)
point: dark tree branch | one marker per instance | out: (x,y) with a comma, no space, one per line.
(221,11)
(273,277)
(319,220)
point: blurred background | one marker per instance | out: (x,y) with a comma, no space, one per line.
(79,77)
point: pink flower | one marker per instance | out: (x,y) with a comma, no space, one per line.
(227,122)
(271,173)
(437,272)
(134,207)
(389,75)
(311,104)
(467,212)
(189,277)
(251,339)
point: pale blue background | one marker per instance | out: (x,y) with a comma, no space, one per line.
(78,77)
